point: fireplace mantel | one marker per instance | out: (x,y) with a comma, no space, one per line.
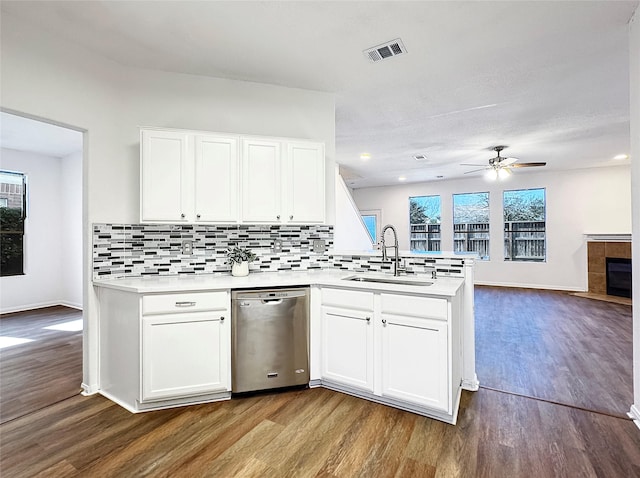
(608,237)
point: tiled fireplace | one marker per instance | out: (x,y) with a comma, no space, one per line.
(597,253)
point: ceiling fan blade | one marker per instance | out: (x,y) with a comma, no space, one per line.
(508,161)
(526,165)
(476,170)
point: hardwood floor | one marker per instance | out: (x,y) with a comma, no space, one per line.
(322,433)
(38,373)
(319,433)
(555,346)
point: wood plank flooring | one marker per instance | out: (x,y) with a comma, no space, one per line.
(39,373)
(319,433)
(555,346)
(529,342)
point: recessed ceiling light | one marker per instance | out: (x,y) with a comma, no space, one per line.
(365,156)
(420,157)
(621,156)
(402,178)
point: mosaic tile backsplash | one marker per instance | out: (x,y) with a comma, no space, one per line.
(130,250)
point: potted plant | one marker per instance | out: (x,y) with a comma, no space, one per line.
(239,258)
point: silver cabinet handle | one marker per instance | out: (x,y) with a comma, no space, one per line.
(384,321)
(197,216)
(185,303)
(291,217)
(182,216)
(368,319)
(278,216)
(222,318)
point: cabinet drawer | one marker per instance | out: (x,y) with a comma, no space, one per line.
(184,302)
(414,306)
(349,299)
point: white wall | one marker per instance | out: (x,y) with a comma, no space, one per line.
(50,78)
(578,202)
(634,56)
(40,285)
(71,233)
(349,232)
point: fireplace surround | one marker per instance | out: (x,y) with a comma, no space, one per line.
(597,254)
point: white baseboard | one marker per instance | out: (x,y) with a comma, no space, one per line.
(88,390)
(529,286)
(39,305)
(634,414)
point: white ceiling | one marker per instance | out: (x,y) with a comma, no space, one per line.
(24,134)
(548,79)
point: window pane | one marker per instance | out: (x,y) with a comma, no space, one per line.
(524,225)
(12,215)
(371,222)
(424,223)
(471,223)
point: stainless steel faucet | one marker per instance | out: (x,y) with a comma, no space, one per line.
(395,246)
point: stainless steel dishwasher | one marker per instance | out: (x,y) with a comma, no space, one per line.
(270,339)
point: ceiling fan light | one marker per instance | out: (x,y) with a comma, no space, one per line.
(503,173)
(491,174)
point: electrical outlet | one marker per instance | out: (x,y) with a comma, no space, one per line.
(187,247)
(319,246)
(277,246)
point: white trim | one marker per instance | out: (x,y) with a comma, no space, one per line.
(39,305)
(608,237)
(531,286)
(88,390)
(472,385)
(634,414)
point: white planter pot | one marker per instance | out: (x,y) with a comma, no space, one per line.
(240,270)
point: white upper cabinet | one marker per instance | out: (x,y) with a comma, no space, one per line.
(216,179)
(261,181)
(195,177)
(283,182)
(305,187)
(164,175)
(188,177)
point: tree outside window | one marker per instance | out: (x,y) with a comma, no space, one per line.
(471,223)
(424,223)
(12,216)
(524,225)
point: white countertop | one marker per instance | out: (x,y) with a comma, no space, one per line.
(446,286)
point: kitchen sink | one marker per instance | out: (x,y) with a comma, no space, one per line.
(389,280)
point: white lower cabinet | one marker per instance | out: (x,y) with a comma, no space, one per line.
(392,348)
(168,349)
(184,354)
(415,360)
(347,336)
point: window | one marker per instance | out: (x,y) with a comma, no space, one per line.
(424,223)
(12,215)
(524,225)
(471,223)
(371,220)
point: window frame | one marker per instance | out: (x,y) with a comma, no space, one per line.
(507,230)
(433,234)
(16,271)
(482,231)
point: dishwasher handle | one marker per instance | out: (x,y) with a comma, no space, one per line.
(272,301)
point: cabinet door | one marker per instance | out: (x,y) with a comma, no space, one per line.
(164,176)
(347,347)
(261,182)
(216,176)
(415,364)
(305,183)
(185,354)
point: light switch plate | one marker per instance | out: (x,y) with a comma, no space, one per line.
(319,246)
(277,246)
(187,247)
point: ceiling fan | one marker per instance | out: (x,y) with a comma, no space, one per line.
(500,167)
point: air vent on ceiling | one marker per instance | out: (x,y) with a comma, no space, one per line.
(386,50)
